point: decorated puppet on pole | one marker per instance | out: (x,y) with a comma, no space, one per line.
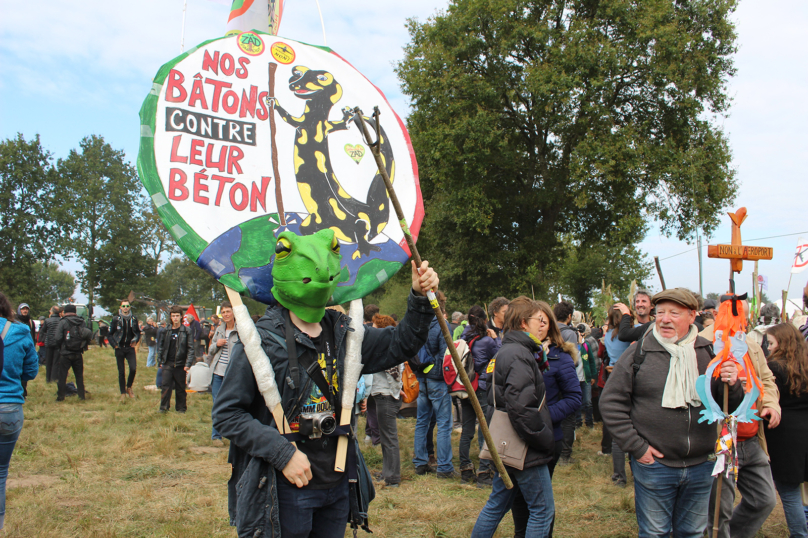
(729,344)
(265,185)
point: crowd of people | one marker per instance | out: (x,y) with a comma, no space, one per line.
(538,371)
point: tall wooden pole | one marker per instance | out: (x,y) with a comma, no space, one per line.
(375,149)
(659,272)
(278,195)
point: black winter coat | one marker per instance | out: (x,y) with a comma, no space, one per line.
(788,442)
(184,355)
(520,390)
(240,414)
(50,330)
(64,327)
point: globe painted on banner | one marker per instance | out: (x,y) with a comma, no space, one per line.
(208,129)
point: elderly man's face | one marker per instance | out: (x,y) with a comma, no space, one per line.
(673,320)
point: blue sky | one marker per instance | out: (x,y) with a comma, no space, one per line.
(71,69)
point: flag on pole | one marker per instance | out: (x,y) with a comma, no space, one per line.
(261,15)
(763,282)
(801,257)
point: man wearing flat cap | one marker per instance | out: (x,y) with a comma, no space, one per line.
(651,407)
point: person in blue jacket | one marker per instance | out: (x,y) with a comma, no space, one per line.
(563,397)
(484,344)
(433,397)
(20,363)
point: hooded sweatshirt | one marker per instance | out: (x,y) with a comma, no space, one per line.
(20,362)
(26,320)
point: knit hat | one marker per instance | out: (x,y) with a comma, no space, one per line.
(681,296)
(70,308)
(710,304)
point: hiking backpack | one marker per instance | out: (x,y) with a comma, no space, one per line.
(450,374)
(73,342)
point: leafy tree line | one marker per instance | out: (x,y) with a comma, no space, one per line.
(550,133)
(89,207)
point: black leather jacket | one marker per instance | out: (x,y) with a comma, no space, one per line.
(185,348)
(117,330)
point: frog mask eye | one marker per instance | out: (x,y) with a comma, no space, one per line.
(282,248)
(335,245)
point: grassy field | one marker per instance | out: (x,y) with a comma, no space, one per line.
(102,468)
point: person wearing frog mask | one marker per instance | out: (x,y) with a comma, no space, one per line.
(282,489)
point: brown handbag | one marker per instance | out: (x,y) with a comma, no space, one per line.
(512,449)
(409,384)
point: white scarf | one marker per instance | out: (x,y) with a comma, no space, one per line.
(680,386)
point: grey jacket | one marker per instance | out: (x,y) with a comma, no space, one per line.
(214,351)
(632,410)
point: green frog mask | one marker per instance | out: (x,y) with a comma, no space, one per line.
(306,272)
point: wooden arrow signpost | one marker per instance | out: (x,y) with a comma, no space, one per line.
(736,253)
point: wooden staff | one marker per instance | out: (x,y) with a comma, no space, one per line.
(261,366)
(375,149)
(278,196)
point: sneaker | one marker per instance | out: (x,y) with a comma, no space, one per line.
(485,479)
(423,469)
(163,411)
(390,485)
(468,476)
(217,442)
(601,453)
(450,475)
(433,462)
(619,483)
(563,462)
(367,439)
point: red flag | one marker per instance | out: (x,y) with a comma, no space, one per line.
(192,311)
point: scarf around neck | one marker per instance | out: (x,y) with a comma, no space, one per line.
(680,386)
(125,316)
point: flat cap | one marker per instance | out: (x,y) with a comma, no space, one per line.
(710,303)
(681,296)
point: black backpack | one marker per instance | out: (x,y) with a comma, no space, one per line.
(73,338)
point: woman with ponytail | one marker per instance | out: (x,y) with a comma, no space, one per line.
(484,344)
(788,443)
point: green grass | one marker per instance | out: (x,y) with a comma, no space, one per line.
(102,468)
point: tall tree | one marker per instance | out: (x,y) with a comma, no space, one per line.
(101,220)
(27,227)
(539,120)
(53,285)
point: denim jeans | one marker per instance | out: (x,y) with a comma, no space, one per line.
(586,406)
(434,397)
(791,496)
(537,489)
(312,513)
(671,499)
(151,360)
(215,385)
(11,420)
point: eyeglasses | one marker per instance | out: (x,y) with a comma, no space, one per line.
(124,306)
(542,321)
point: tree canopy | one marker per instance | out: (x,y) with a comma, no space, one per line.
(545,128)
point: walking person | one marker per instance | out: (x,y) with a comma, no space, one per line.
(19,363)
(651,408)
(483,345)
(175,357)
(754,475)
(433,397)
(386,395)
(73,337)
(563,316)
(788,442)
(51,349)
(124,334)
(24,317)
(518,390)
(563,397)
(614,350)
(218,357)
(103,333)
(150,336)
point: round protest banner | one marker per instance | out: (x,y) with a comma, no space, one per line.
(249,135)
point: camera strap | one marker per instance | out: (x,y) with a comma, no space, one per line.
(310,364)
